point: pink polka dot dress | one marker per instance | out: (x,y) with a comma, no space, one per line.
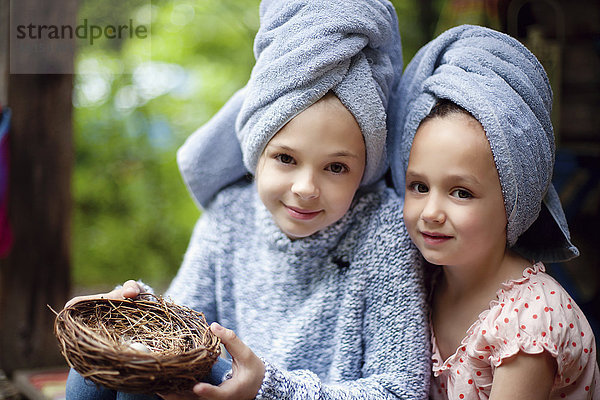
(531,314)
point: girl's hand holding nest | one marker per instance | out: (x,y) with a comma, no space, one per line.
(248,372)
(130,290)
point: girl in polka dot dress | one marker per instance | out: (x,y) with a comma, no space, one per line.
(475,159)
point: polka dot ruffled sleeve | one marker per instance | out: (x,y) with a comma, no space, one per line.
(534,314)
(531,315)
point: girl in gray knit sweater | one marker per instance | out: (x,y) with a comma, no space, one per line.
(309,263)
(323,284)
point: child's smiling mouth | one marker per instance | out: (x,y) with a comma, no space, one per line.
(434,237)
(300,213)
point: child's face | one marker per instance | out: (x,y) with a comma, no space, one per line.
(454,209)
(310,170)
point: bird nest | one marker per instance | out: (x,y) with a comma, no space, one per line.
(137,346)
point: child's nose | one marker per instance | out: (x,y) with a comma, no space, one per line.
(305,185)
(433,211)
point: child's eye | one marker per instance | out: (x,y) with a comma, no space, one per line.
(419,187)
(461,194)
(284,158)
(337,168)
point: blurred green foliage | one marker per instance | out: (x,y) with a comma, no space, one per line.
(133,109)
(136,100)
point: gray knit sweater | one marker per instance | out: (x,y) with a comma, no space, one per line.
(338,315)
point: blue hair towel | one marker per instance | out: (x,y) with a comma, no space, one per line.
(303,49)
(502,84)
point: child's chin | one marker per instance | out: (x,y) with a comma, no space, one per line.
(298,232)
(433,260)
(298,235)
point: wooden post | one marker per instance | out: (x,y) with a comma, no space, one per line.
(36,272)
(4,26)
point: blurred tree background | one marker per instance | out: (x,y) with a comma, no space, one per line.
(135,105)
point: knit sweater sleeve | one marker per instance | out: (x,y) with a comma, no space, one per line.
(395,363)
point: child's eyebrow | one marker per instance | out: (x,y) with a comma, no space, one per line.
(279,147)
(343,154)
(452,178)
(413,175)
(467,179)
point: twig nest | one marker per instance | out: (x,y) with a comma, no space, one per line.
(137,346)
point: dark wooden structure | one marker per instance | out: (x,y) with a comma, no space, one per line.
(36,272)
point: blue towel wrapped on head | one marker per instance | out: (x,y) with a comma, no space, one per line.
(502,84)
(303,49)
(211,158)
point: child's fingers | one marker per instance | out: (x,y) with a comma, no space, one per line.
(207,391)
(109,295)
(248,370)
(130,289)
(80,298)
(238,350)
(225,391)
